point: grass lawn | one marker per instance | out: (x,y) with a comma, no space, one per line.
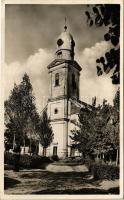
(46,182)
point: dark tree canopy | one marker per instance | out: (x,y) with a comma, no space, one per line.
(45,132)
(99,129)
(107,15)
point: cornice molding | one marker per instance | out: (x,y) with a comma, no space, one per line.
(57,98)
(57,62)
(59,119)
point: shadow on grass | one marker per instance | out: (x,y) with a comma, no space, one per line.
(81,191)
(59,182)
(62,177)
(56,175)
(10,182)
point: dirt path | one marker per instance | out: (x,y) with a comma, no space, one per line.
(49,182)
(66,168)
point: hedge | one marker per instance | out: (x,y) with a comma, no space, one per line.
(109,172)
(55,158)
(102,171)
(73,160)
(27,161)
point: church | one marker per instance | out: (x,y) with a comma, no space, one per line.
(63,105)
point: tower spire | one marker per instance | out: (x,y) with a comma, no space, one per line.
(65,27)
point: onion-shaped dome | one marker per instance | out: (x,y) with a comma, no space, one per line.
(65,46)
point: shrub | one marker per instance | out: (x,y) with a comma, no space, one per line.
(27,161)
(100,171)
(55,158)
(73,160)
(78,160)
(89,163)
(67,160)
(8,158)
(34,161)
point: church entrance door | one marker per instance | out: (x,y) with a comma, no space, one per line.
(55,151)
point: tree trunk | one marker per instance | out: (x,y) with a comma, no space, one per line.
(110,160)
(103,158)
(44,151)
(97,157)
(30,146)
(14,141)
(37,148)
(24,143)
(83,155)
(117,158)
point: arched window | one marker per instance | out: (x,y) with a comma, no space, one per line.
(73,81)
(57,79)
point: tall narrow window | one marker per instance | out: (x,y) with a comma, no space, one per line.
(57,79)
(73,81)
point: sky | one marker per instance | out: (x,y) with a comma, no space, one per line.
(31,32)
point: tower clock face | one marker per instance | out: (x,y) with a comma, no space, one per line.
(60,42)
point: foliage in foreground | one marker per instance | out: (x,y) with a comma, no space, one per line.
(107,15)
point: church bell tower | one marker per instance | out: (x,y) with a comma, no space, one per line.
(64,74)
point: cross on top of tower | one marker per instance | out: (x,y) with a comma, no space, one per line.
(65,27)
